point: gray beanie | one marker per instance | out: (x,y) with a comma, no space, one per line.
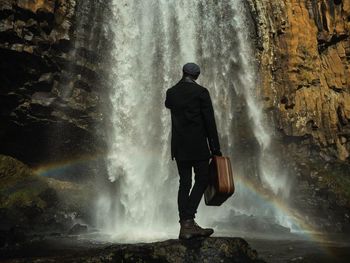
(191,68)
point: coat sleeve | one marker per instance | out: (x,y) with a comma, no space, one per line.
(207,112)
(167,100)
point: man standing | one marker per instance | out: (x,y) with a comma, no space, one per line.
(193,128)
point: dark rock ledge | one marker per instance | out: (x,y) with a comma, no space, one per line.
(211,250)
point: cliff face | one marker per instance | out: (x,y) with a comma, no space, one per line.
(54,54)
(304,49)
(51,73)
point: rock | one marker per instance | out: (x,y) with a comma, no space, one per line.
(43,98)
(38,204)
(296,259)
(304,49)
(46,59)
(213,250)
(252,224)
(199,250)
(78,229)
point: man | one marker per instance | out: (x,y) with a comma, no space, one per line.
(193,127)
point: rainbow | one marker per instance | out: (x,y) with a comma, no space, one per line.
(59,168)
(63,167)
(293,215)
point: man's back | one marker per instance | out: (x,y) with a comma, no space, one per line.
(192,121)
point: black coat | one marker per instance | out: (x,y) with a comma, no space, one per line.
(193,122)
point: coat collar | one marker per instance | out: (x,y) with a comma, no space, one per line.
(188,79)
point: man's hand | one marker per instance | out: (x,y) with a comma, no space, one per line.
(216,152)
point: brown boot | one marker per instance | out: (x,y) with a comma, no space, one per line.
(190,229)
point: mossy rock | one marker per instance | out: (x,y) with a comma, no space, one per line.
(72,196)
(26,196)
(336,177)
(19,186)
(12,171)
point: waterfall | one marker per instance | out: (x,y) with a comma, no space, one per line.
(153,39)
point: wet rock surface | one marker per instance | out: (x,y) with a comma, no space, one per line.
(302,251)
(320,192)
(32,206)
(263,226)
(51,74)
(78,229)
(216,249)
(304,59)
(304,53)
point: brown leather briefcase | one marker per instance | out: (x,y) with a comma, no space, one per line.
(221,185)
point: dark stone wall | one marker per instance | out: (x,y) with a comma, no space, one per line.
(53,64)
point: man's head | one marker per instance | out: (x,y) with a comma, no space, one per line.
(192,70)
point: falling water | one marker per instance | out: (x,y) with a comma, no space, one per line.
(153,39)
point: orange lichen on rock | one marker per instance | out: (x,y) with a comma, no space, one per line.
(307,57)
(35,5)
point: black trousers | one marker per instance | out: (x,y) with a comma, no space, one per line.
(188,202)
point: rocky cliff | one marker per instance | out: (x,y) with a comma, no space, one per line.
(304,51)
(54,56)
(51,74)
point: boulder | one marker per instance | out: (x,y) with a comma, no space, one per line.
(211,250)
(37,205)
(78,229)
